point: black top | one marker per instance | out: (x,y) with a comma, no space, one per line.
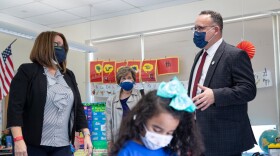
(125,106)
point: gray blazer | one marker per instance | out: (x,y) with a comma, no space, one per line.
(225,125)
(114,113)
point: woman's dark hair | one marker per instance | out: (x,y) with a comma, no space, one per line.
(186,137)
(43,50)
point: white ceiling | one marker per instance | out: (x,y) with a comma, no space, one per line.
(59,13)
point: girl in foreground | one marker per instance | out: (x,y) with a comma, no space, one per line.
(162,123)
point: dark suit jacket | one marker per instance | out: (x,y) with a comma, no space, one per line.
(225,125)
(28,92)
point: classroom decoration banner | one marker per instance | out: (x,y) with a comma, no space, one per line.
(168,66)
(136,65)
(148,71)
(248,47)
(96,71)
(120,64)
(109,72)
(106,90)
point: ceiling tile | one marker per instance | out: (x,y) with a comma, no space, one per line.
(112,6)
(120,13)
(28,10)
(140,3)
(72,22)
(52,18)
(12,3)
(63,4)
(84,11)
(93,1)
(57,13)
(166,4)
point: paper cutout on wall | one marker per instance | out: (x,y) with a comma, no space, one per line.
(263,78)
(109,72)
(148,71)
(248,47)
(136,65)
(168,66)
(96,71)
(119,65)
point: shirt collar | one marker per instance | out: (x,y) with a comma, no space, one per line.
(134,92)
(57,73)
(212,50)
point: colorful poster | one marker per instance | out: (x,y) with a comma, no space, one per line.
(136,65)
(109,72)
(96,71)
(148,71)
(168,66)
(120,64)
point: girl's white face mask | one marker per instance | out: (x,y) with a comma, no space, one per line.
(154,141)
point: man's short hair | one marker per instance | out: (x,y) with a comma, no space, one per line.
(216,17)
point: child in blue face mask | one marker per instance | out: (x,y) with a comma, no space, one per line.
(161,124)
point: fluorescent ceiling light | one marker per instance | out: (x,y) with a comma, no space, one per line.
(246,18)
(31,35)
(115,38)
(17,31)
(16,34)
(80,47)
(167,30)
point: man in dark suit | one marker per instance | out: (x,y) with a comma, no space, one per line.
(221,84)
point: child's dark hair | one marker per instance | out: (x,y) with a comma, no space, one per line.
(186,137)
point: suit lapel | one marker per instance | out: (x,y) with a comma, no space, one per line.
(214,63)
(192,70)
(42,83)
(68,80)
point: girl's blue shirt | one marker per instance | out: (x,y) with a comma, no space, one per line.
(132,148)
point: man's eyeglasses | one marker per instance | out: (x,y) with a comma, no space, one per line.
(200,28)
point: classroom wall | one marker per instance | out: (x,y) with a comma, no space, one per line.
(165,17)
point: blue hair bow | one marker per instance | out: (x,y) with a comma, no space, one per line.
(175,90)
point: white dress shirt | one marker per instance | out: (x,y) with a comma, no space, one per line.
(211,52)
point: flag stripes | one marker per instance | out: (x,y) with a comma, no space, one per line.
(6,71)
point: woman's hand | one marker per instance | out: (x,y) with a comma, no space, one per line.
(20,148)
(87,145)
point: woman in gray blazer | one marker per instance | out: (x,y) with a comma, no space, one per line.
(118,105)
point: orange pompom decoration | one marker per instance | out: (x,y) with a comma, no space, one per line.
(248,47)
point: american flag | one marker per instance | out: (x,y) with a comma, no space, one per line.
(6,71)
